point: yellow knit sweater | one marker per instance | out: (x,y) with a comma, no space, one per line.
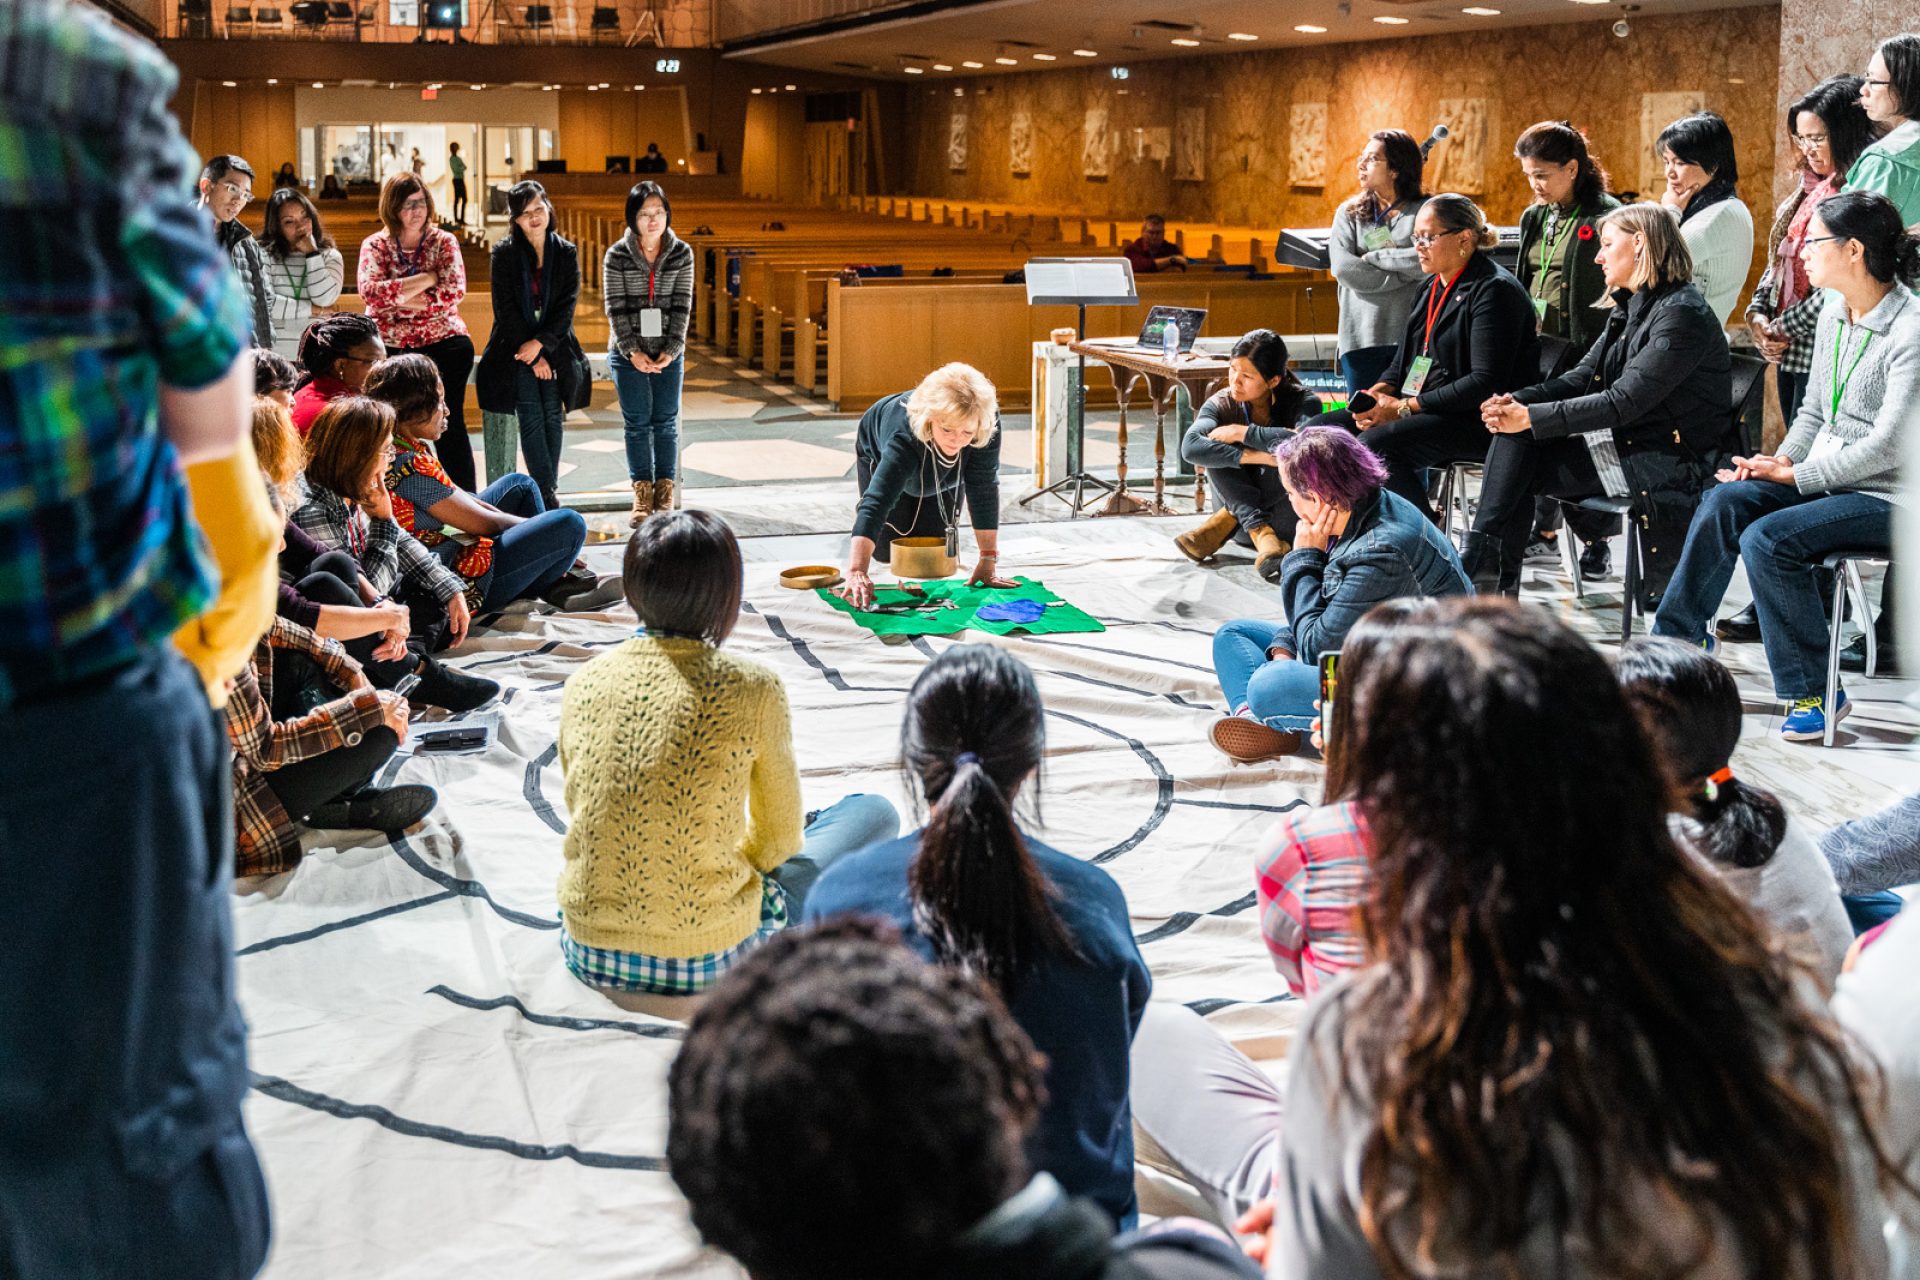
(682,791)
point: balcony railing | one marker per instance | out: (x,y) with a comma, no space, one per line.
(677,24)
(745,19)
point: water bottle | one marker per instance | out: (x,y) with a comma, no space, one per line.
(1170,340)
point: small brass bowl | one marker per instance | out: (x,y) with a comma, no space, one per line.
(922,558)
(805,577)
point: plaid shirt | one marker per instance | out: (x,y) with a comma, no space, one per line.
(111,283)
(1311,879)
(670,975)
(265,837)
(386,553)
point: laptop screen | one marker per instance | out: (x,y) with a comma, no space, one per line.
(1187,318)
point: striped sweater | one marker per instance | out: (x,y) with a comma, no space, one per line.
(1857,449)
(626,284)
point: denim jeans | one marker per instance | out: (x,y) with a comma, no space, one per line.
(536,553)
(1869,910)
(1793,389)
(1363,366)
(650,409)
(856,822)
(1782,534)
(542,422)
(125,1061)
(1279,692)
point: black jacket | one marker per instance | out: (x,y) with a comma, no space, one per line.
(1660,377)
(1583,321)
(898,465)
(1042,1235)
(513,324)
(1483,340)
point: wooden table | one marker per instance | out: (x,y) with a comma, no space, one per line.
(1201,375)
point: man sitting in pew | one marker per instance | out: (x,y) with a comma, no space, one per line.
(917,454)
(1153,251)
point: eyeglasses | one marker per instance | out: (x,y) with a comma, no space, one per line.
(416,205)
(1422,242)
(1813,240)
(241,194)
(1810,140)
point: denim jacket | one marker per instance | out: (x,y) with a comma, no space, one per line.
(1389,550)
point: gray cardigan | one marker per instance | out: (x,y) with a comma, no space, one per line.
(1879,405)
(1376,285)
(624,277)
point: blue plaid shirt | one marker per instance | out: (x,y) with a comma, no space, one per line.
(111,283)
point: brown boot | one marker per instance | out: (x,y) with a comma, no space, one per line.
(1269,550)
(663,495)
(642,502)
(1199,543)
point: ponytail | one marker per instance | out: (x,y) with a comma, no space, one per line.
(973,733)
(1892,255)
(1740,825)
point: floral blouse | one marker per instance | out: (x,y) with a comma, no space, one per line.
(383,265)
(416,481)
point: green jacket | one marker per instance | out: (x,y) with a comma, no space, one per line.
(1581,324)
(1891,166)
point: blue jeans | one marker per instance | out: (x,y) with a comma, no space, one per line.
(125,1060)
(1362,367)
(1279,692)
(1868,910)
(542,422)
(857,822)
(536,553)
(650,409)
(1782,534)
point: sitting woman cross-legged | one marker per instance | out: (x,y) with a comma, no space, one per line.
(1644,413)
(337,352)
(504,543)
(686,845)
(1470,336)
(1046,928)
(1355,545)
(1233,436)
(1836,479)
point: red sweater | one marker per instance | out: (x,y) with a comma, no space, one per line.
(309,400)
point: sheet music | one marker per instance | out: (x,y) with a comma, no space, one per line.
(1079,278)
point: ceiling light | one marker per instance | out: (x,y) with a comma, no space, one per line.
(1044,57)
(1308,28)
(1086,53)
(973,66)
(1478,11)
(478,87)
(273,82)
(1007,62)
(941,66)
(639,88)
(1592,1)
(759,90)
(319,84)
(593,88)
(545,88)
(1387,21)
(792,88)
(914,71)
(230,84)
(1736,80)
(1186,43)
(1241,35)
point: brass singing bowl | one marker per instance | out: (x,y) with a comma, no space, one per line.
(805,577)
(922,558)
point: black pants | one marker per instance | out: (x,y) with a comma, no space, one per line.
(1518,467)
(1410,445)
(1255,496)
(453,357)
(460,200)
(331,582)
(911,517)
(304,786)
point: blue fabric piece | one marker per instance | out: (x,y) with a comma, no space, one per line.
(1012,611)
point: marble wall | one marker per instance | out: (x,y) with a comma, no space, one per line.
(1251,103)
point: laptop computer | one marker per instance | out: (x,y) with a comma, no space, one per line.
(1153,332)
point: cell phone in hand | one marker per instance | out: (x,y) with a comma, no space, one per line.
(1329,684)
(1361,402)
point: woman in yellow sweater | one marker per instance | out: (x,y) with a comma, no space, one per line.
(686,845)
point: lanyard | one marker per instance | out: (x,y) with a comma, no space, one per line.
(1435,308)
(299,286)
(1550,246)
(357,534)
(1840,383)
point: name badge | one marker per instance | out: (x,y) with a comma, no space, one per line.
(1377,238)
(1539,310)
(1417,374)
(650,322)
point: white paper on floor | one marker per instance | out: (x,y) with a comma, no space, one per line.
(437,1096)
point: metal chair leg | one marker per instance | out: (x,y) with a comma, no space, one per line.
(1833,651)
(1864,612)
(1569,561)
(1446,504)
(1630,578)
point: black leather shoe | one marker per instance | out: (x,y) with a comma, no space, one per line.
(1596,563)
(1742,626)
(1854,658)
(442,686)
(376,809)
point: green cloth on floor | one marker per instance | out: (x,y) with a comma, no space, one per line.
(1060,618)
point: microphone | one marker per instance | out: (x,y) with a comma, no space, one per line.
(1440,132)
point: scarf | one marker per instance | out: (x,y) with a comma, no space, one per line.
(1789,273)
(1713,193)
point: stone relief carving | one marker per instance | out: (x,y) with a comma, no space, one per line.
(1020,143)
(957,141)
(1460,160)
(1190,145)
(1307,145)
(1094,149)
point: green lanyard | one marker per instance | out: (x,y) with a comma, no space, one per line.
(299,286)
(1550,247)
(1839,383)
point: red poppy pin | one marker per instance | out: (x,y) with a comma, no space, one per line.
(1584,233)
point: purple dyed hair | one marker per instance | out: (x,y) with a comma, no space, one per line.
(1331,463)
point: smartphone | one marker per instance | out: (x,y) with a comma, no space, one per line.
(453,738)
(404,685)
(1361,402)
(1329,684)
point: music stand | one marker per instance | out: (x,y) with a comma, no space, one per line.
(1078,282)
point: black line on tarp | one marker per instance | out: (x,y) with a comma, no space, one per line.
(536,798)
(1214,1005)
(1288,807)
(652,1031)
(308,935)
(1181,921)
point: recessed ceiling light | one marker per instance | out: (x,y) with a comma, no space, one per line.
(1387,21)
(1007,62)
(914,71)
(1185,43)
(1045,57)
(593,88)
(973,66)
(1736,80)
(231,84)
(792,88)
(273,82)
(942,66)
(319,84)
(1241,35)
(545,88)
(640,88)
(1086,53)
(476,87)
(1309,29)
(759,91)
(1478,11)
